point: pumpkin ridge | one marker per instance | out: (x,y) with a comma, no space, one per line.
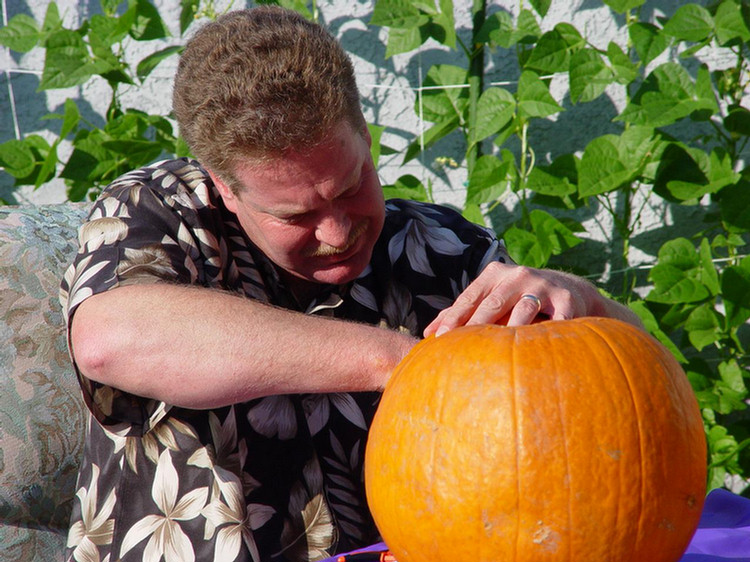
(561,414)
(517,440)
(638,410)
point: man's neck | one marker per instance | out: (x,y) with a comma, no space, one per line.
(304,291)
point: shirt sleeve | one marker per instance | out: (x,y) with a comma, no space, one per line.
(133,235)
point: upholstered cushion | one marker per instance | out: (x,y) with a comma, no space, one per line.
(42,417)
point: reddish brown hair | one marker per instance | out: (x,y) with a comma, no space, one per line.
(257,83)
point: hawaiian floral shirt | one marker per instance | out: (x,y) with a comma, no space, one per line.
(275,478)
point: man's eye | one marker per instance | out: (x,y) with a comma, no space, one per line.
(352,191)
(291,219)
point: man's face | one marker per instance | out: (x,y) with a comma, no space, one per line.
(316,215)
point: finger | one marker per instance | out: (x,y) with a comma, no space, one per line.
(449,318)
(491,309)
(434,326)
(460,312)
(526,310)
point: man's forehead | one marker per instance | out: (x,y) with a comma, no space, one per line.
(339,156)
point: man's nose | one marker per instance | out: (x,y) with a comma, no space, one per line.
(334,228)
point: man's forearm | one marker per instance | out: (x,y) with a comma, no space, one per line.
(201,348)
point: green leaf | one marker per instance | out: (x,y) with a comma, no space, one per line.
(182,149)
(673,286)
(731,27)
(473,213)
(648,40)
(90,161)
(148,24)
(399,14)
(690,22)
(589,76)
(550,55)
(527,30)
(431,136)
(52,21)
(702,327)
(299,6)
(71,118)
(541,6)
(107,30)
(625,70)
(737,121)
(495,109)
(26,172)
(403,40)
(376,132)
(497,29)
(735,291)
(652,326)
(109,7)
(667,95)
(677,275)
(610,161)
(524,247)
(735,205)
(47,169)
(704,92)
(67,62)
(488,180)
(406,187)
(601,169)
(721,170)
(188,10)
(438,102)
(534,98)
(147,64)
(16,158)
(138,152)
(708,275)
(106,63)
(547,236)
(622,6)
(732,374)
(21,34)
(557,180)
(571,36)
(443,25)
(687,174)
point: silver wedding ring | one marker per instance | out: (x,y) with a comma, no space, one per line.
(534,298)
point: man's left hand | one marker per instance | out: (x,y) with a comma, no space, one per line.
(516,295)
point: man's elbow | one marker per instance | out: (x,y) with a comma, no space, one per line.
(90,341)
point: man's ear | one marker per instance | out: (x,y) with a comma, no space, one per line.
(227,195)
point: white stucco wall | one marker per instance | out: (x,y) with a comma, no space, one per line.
(387,87)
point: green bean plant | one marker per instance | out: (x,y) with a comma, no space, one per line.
(96,49)
(679,141)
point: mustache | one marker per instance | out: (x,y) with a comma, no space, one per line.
(325,250)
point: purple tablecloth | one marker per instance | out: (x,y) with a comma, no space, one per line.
(724,530)
(723,533)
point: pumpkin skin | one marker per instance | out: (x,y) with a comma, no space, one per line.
(566,441)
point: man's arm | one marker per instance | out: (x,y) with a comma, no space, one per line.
(201,348)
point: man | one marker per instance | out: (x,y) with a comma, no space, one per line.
(233,321)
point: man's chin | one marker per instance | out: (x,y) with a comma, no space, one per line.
(341,272)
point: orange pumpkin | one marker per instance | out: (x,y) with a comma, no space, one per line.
(567,441)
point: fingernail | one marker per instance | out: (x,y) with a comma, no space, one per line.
(441,330)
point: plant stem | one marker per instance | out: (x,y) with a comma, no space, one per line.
(476,79)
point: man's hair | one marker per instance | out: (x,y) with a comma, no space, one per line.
(258,83)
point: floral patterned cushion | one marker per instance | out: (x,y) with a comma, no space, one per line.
(42,417)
